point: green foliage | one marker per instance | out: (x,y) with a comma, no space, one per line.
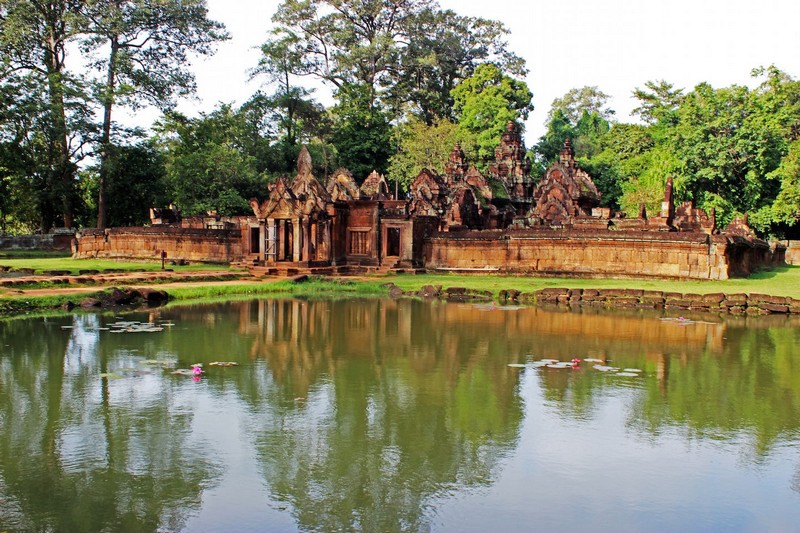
(34,36)
(730,149)
(136,182)
(660,104)
(578,102)
(145,46)
(361,133)
(485,103)
(208,163)
(406,53)
(786,208)
(559,129)
(422,146)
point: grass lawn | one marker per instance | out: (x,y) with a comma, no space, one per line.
(67,264)
(780,281)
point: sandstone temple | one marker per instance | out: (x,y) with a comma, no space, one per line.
(461,221)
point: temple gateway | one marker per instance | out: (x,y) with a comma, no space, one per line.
(451,222)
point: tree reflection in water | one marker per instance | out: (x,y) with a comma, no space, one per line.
(360,414)
(80,453)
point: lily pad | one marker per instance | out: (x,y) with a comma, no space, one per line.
(628,374)
(223,363)
(604,368)
(512,365)
(111,375)
(631,370)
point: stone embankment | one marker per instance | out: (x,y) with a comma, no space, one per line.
(634,298)
(751,304)
(118,297)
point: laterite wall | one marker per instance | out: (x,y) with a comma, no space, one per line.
(598,253)
(190,244)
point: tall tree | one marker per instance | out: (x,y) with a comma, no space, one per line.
(398,51)
(34,35)
(145,46)
(209,162)
(444,49)
(421,146)
(361,132)
(584,99)
(485,103)
(278,61)
(659,102)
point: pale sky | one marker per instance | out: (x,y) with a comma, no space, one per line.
(616,45)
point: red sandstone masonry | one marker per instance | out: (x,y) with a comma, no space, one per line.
(190,244)
(594,253)
(753,304)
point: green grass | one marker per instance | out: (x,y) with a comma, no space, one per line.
(780,281)
(312,287)
(67,264)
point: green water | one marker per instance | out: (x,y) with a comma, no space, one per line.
(381,415)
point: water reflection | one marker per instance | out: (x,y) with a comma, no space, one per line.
(360,414)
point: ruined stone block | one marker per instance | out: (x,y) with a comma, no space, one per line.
(735,300)
(757,299)
(714,299)
(774,308)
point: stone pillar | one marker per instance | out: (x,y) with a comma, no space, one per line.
(297,243)
(326,251)
(270,241)
(305,226)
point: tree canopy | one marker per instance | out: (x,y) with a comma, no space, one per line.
(733,149)
(408,79)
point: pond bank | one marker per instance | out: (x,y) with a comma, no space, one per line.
(53,294)
(736,304)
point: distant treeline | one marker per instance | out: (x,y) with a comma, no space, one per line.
(409,80)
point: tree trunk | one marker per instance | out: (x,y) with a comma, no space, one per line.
(61,171)
(105,142)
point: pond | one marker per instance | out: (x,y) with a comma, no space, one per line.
(398,415)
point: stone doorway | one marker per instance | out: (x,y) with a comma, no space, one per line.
(393,242)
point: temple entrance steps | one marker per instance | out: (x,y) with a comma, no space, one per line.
(294,269)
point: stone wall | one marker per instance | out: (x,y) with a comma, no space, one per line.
(597,253)
(793,252)
(188,244)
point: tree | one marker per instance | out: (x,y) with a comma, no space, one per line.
(786,208)
(34,35)
(361,132)
(485,103)
(583,100)
(208,166)
(29,199)
(146,45)
(399,51)
(136,182)
(725,150)
(445,48)
(291,114)
(421,146)
(660,104)
(559,129)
